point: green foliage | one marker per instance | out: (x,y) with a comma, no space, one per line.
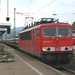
(73,25)
(5,52)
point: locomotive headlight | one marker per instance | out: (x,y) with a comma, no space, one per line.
(70,48)
(44,48)
(48,49)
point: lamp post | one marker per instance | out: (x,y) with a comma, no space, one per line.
(7,18)
(15,21)
(14,25)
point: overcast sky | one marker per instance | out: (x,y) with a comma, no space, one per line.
(65,10)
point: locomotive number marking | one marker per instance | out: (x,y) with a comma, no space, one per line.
(47,41)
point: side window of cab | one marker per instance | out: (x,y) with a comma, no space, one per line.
(37,32)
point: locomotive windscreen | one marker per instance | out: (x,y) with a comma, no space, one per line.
(49,31)
(56,31)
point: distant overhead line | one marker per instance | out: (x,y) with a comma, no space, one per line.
(43,7)
(66,7)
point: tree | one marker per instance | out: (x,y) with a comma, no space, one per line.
(73,25)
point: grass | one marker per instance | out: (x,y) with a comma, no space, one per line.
(5,52)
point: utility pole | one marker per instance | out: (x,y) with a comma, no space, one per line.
(7,8)
(14,24)
(7,18)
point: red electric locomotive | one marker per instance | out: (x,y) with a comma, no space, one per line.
(49,40)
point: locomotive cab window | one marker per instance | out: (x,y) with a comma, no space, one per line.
(56,31)
(37,32)
(49,31)
(63,31)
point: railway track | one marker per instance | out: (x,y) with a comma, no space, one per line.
(67,71)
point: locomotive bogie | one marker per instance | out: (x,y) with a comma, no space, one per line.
(57,58)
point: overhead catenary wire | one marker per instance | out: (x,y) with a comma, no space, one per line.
(70,5)
(42,7)
(72,18)
(27,5)
(66,7)
(49,4)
